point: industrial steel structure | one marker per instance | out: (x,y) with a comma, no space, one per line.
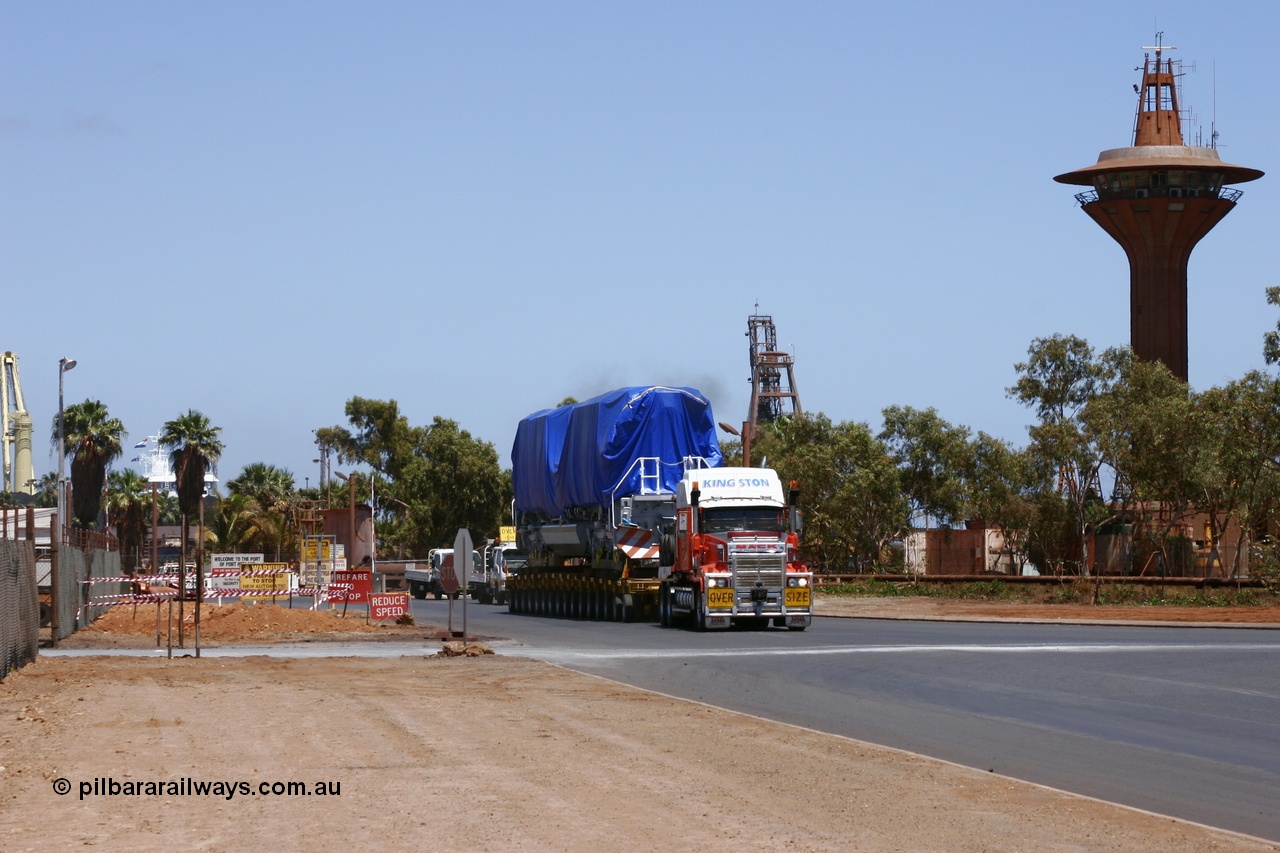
(15,431)
(773,380)
(1157,199)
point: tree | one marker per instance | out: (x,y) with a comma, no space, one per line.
(268,486)
(1243,477)
(231,527)
(1147,428)
(438,478)
(850,489)
(1060,377)
(933,457)
(91,437)
(128,505)
(1271,341)
(269,492)
(1003,487)
(453,481)
(194,448)
(47,490)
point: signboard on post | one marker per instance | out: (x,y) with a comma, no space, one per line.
(461,568)
(448,580)
(388,606)
(351,587)
(228,562)
(276,577)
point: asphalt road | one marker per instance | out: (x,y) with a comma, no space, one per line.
(1179,721)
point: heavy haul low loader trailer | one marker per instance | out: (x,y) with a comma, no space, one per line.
(741,598)
(571,596)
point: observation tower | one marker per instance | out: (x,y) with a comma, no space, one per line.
(1157,199)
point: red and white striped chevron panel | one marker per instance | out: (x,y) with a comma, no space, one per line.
(637,543)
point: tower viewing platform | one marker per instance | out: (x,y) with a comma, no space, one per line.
(1157,199)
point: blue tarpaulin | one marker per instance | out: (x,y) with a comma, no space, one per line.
(583,454)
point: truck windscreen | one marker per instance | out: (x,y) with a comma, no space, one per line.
(726,519)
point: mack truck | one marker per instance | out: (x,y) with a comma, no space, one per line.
(625,511)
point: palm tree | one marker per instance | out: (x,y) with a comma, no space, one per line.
(47,490)
(267,485)
(92,438)
(271,490)
(128,502)
(232,525)
(195,448)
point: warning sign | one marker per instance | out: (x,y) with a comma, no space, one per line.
(351,587)
(388,606)
(268,577)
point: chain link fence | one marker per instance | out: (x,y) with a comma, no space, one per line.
(74,569)
(19,607)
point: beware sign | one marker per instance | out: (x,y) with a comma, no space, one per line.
(389,606)
(351,587)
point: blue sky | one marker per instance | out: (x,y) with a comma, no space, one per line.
(261,209)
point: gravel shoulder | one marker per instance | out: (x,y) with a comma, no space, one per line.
(486,753)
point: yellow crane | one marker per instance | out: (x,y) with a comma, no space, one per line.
(15,431)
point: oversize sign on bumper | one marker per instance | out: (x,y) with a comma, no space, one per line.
(796,596)
(720,597)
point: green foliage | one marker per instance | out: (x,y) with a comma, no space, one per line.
(91,437)
(195,447)
(1271,341)
(850,489)
(265,500)
(129,508)
(1060,378)
(437,478)
(933,458)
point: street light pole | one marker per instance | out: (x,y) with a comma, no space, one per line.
(64,364)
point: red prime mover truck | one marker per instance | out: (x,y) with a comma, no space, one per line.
(625,512)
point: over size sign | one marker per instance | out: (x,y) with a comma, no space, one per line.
(390,606)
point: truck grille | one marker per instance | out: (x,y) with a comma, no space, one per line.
(765,569)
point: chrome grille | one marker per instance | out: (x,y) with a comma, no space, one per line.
(751,568)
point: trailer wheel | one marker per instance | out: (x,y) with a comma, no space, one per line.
(626,612)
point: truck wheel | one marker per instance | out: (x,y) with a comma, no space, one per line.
(699,615)
(418,592)
(438,594)
(664,605)
(624,610)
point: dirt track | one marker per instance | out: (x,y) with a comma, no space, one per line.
(492,753)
